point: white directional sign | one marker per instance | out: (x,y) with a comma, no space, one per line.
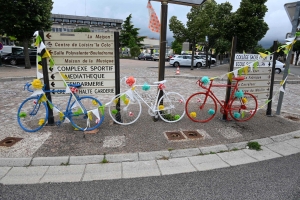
(83,57)
(258,81)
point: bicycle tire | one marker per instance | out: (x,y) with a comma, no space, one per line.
(198,110)
(171,107)
(32,115)
(243,110)
(128,112)
(79,119)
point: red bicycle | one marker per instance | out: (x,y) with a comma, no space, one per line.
(202,106)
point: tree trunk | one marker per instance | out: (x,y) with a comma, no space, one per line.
(297,57)
(26,54)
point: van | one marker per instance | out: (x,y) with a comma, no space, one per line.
(11,50)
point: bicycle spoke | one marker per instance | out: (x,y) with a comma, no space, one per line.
(243,109)
(32,114)
(124,110)
(89,119)
(171,107)
(201,107)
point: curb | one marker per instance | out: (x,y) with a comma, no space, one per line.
(142,156)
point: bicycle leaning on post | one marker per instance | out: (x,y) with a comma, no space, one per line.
(202,106)
(125,108)
(85,113)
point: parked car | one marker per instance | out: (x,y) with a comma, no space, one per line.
(279,67)
(185,60)
(213,60)
(145,56)
(19,58)
(156,57)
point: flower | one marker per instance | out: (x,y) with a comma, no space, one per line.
(41,122)
(130,81)
(37,84)
(161,107)
(193,114)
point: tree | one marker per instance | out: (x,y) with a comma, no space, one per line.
(22,18)
(247,23)
(135,51)
(83,29)
(176,46)
(128,33)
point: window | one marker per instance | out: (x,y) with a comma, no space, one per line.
(58,20)
(53,29)
(79,21)
(94,23)
(73,21)
(113,24)
(87,22)
(66,20)
(106,24)
(100,23)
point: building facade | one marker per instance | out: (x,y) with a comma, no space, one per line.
(67,23)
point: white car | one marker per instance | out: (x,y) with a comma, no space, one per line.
(156,57)
(213,60)
(279,67)
(186,60)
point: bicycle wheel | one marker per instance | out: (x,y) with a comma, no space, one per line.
(243,109)
(124,110)
(32,114)
(80,120)
(201,107)
(171,107)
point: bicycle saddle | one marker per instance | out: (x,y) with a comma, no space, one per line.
(74,85)
(239,78)
(160,82)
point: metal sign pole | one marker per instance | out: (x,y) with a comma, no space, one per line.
(46,82)
(269,109)
(228,90)
(295,23)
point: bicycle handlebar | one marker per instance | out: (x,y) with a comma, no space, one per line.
(27,86)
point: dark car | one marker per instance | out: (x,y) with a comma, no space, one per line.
(145,56)
(14,59)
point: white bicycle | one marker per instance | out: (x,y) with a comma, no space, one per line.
(125,108)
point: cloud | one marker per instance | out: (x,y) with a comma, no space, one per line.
(276,17)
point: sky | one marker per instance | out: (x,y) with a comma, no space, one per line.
(276,17)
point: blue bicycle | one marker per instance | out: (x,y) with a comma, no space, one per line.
(85,113)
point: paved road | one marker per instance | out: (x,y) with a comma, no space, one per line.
(276,179)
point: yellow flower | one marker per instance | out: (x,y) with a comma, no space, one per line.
(41,122)
(116,100)
(161,107)
(193,114)
(94,102)
(244,100)
(61,115)
(37,84)
(126,101)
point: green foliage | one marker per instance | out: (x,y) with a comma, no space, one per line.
(254,145)
(135,51)
(83,29)
(21,19)
(247,23)
(259,48)
(129,34)
(176,46)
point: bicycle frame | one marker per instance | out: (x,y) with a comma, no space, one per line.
(140,98)
(209,91)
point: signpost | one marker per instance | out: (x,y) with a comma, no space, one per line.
(258,81)
(83,57)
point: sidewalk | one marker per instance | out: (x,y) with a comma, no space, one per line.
(58,154)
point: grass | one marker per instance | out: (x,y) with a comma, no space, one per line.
(170,149)
(254,145)
(104,160)
(65,164)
